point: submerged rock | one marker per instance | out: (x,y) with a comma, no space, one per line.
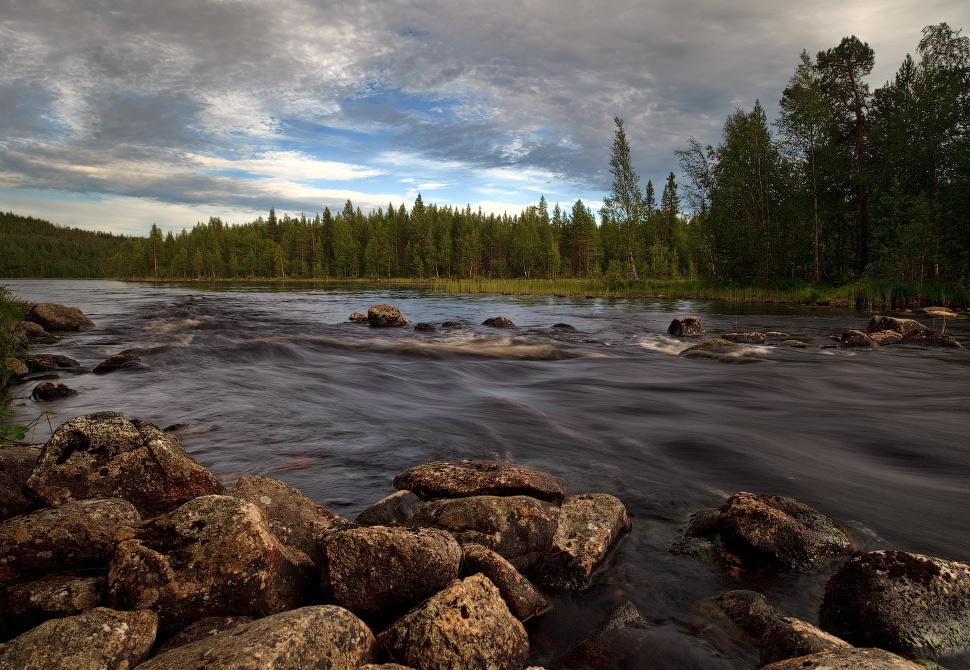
(498,322)
(520,595)
(400,506)
(357,317)
(425,328)
(899,601)
(16,464)
(50,363)
(619,638)
(750,610)
(385,316)
(47,391)
(787,637)
(746,338)
(685,326)
(710,349)
(905,326)
(24,606)
(930,338)
(451,324)
(456,479)
(116,362)
(847,659)
(564,326)
(886,337)
(852,339)
(35,333)
(54,317)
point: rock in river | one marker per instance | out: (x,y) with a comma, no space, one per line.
(498,322)
(385,316)
(55,317)
(457,479)
(905,326)
(685,326)
(520,595)
(116,362)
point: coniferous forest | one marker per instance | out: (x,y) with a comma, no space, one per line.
(847,183)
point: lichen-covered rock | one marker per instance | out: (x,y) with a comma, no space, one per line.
(357,317)
(780,532)
(213,556)
(104,455)
(854,339)
(846,659)
(385,316)
(16,464)
(451,324)
(400,506)
(590,525)
(50,363)
(899,601)
(425,328)
(35,333)
(48,391)
(54,317)
(620,637)
(886,337)
(15,367)
(518,528)
(202,629)
(685,326)
(101,639)
(467,625)
(746,338)
(905,326)
(520,595)
(116,362)
(294,519)
(930,338)
(463,478)
(322,636)
(714,348)
(750,610)
(370,568)
(23,606)
(81,534)
(787,637)
(498,322)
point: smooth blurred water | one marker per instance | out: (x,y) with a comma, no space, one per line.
(274,380)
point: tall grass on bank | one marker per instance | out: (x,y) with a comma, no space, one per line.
(13,344)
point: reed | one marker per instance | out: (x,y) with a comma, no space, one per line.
(13,344)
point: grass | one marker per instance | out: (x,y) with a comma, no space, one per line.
(13,344)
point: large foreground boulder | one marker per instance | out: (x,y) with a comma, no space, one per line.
(323,636)
(685,326)
(523,599)
(104,455)
(81,534)
(214,556)
(788,637)
(467,625)
(16,464)
(54,317)
(385,316)
(459,479)
(23,606)
(847,659)
(899,601)
(400,506)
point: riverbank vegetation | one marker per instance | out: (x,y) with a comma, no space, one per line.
(851,194)
(13,344)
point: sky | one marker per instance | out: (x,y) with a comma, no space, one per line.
(117,114)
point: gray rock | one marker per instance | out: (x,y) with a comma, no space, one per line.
(116,362)
(23,606)
(47,391)
(905,326)
(520,595)
(322,636)
(787,637)
(498,322)
(620,637)
(385,316)
(16,464)
(467,625)
(518,528)
(847,659)
(54,317)
(213,556)
(104,455)
(685,326)
(370,568)
(80,534)
(400,506)
(463,478)
(101,639)
(201,630)
(16,367)
(746,338)
(590,525)
(899,601)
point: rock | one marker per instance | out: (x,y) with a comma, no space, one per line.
(104,455)
(746,338)
(847,659)
(886,337)
(564,326)
(47,391)
(852,339)
(498,322)
(385,316)
(384,666)
(899,601)
(400,506)
(620,637)
(457,479)
(710,349)
(685,326)
(779,531)
(905,326)
(930,338)
(24,606)
(54,317)
(750,610)
(941,313)
(425,328)
(101,639)
(518,528)
(777,333)
(116,362)
(467,625)
(50,362)
(294,519)
(835,302)
(451,324)
(794,344)
(201,630)
(590,525)
(357,317)
(371,568)
(78,535)
(787,637)
(322,636)
(16,464)
(522,598)
(695,547)
(16,367)
(36,334)
(213,556)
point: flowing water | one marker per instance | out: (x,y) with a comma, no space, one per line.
(274,380)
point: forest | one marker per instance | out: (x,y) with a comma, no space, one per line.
(847,183)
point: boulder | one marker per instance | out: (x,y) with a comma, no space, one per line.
(357,317)
(202,629)
(846,659)
(787,637)
(370,568)
(899,601)
(590,525)
(16,368)
(451,324)
(941,313)
(47,391)
(498,322)
(294,519)
(35,333)
(712,348)
(116,362)
(685,326)
(54,317)
(458,479)
(886,337)
(400,507)
(213,556)
(750,610)
(50,363)
(564,326)
(746,338)
(853,339)
(618,639)
(23,606)
(104,455)
(322,636)
(425,328)
(794,344)
(905,326)
(522,598)
(16,464)
(101,639)
(930,338)
(467,625)
(385,316)
(518,528)
(81,534)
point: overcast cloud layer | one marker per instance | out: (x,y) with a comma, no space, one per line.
(115,115)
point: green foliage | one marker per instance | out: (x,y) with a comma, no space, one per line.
(13,344)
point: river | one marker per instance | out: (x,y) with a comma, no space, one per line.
(274,380)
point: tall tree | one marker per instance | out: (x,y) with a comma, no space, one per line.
(624,205)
